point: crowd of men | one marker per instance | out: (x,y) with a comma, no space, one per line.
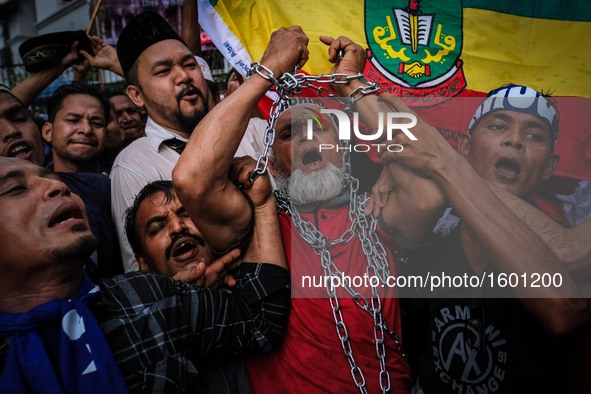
(141,254)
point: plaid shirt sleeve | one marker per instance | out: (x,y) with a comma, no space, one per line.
(161,330)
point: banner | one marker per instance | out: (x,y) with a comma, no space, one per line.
(434,49)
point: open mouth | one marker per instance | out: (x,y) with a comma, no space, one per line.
(19,150)
(185,247)
(311,158)
(190,92)
(65,213)
(508,168)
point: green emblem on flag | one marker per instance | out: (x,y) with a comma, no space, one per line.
(415,44)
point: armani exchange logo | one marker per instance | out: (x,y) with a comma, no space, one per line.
(469,357)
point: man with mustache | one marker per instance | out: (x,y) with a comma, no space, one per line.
(137,332)
(128,115)
(166,241)
(164,77)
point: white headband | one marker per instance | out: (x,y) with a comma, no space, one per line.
(518,98)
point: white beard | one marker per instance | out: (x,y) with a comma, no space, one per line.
(316,186)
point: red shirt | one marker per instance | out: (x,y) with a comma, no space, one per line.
(311,358)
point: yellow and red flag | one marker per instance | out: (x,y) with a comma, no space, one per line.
(436,49)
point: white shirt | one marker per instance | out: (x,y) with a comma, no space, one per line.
(253,142)
(147,159)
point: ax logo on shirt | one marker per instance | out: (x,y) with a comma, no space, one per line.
(469,357)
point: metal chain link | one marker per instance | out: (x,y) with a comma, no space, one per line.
(364,227)
(287,86)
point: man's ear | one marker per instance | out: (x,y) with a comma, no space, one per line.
(142,263)
(135,95)
(47,132)
(271,167)
(464,144)
(552,164)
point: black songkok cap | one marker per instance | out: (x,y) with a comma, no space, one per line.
(47,50)
(142,31)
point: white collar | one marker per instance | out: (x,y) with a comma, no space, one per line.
(157,134)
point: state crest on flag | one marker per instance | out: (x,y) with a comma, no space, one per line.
(414,48)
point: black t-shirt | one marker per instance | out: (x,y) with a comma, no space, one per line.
(459,341)
(95,192)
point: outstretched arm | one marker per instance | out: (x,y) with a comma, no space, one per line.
(571,245)
(28,90)
(105,56)
(190,31)
(494,231)
(200,177)
(395,193)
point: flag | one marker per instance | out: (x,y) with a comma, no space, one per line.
(440,49)
(436,50)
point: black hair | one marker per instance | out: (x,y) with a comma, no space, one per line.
(132,77)
(229,75)
(115,93)
(56,100)
(213,88)
(130,216)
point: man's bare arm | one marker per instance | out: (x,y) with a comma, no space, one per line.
(190,30)
(509,244)
(28,90)
(571,245)
(266,243)
(394,195)
(200,177)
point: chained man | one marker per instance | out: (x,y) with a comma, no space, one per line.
(339,338)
